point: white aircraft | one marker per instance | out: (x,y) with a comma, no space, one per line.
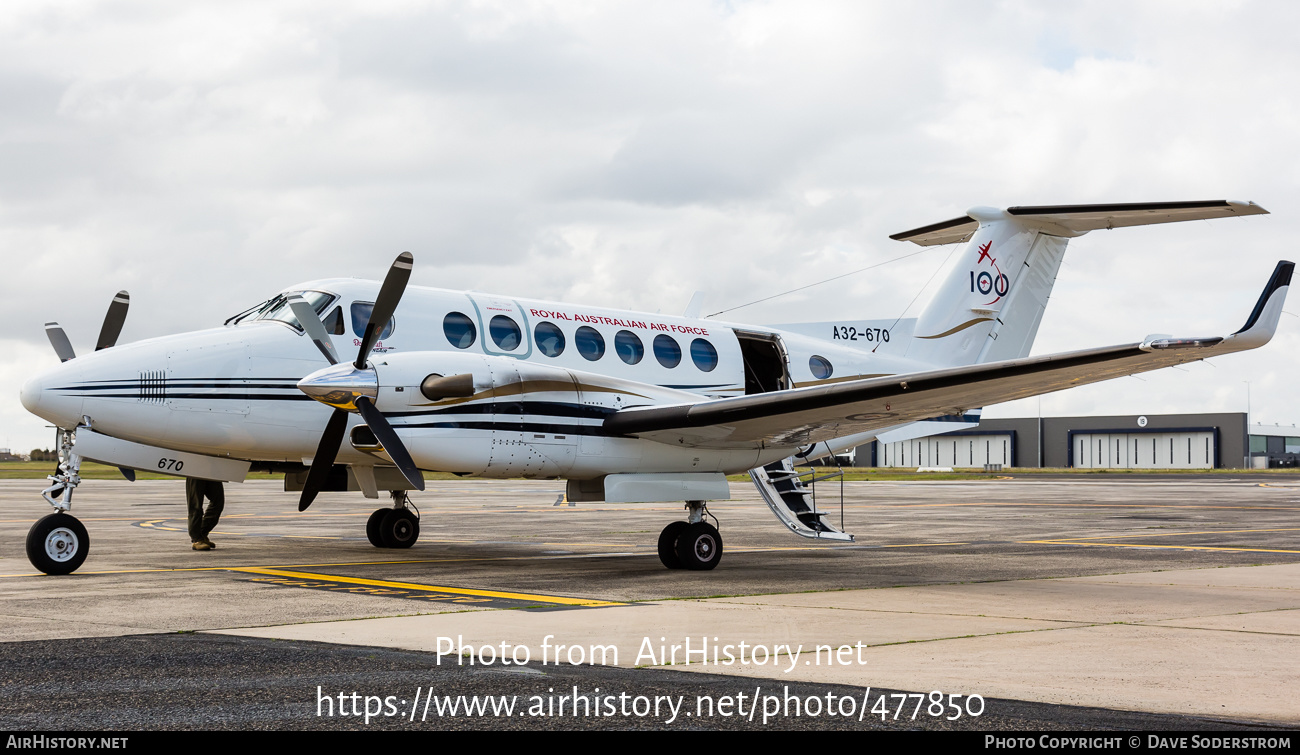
(625,406)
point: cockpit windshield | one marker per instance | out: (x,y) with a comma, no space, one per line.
(278,308)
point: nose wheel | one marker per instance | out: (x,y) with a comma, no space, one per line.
(57,544)
(694,545)
(394,528)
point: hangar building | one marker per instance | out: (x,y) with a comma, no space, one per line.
(1153,441)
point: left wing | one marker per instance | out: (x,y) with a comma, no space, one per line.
(814,414)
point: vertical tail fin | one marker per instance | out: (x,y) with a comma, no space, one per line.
(991,304)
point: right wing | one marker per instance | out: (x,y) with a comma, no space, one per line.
(810,415)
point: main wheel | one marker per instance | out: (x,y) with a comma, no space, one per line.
(372,527)
(399,529)
(57,544)
(668,544)
(699,546)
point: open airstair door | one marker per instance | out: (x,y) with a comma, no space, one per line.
(765,362)
(780,485)
(783,490)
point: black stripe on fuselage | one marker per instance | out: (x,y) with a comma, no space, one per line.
(211,396)
(175,384)
(547,408)
(520,427)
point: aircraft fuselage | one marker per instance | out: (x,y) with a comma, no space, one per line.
(546,375)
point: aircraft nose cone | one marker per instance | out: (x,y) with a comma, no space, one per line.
(41,396)
(30,395)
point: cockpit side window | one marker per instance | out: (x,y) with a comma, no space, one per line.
(334,322)
(278,308)
(361,316)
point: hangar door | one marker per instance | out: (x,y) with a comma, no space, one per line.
(1171,450)
(947,451)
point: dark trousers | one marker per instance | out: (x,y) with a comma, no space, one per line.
(201,523)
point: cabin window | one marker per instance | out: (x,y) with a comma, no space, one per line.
(549,338)
(361,315)
(590,343)
(667,351)
(628,346)
(704,355)
(821,367)
(460,330)
(505,333)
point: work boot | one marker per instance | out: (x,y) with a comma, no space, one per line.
(202,545)
(208,543)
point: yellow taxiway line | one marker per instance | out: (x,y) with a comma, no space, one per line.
(529,597)
(1159,547)
(1084,541)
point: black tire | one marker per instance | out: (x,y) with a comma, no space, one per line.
(57,544)
(399,529)
(372,527)
(699,547)
(668,544)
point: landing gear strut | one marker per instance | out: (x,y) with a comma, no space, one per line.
(58,544)
(398,527)
(693,544)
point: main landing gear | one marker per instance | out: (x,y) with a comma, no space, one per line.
(693,544)
(58,544)
(398,527)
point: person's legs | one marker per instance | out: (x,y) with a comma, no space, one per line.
(216,493)
(194,502)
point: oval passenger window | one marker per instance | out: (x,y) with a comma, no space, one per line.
(460,330)
(628,346)
(549,338)
(590,343)
(667,351)
(505,332)
(821,367)
(704,355)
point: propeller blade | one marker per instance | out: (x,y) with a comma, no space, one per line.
(390,293)
(113,321)
(389,440)
(326,452)
(312,325)
(59,340)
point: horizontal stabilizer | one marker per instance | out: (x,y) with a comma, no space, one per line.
(1078,219)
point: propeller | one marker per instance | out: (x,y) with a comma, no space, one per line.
(114,319)
(108,333)
(353,386)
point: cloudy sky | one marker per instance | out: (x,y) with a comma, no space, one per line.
(203,156)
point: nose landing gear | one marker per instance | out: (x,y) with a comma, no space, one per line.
(58,544)
(398,527)
(693,544)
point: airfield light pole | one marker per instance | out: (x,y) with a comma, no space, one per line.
(1040,432)
(1248,454)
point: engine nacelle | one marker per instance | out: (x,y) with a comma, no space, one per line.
(504,417)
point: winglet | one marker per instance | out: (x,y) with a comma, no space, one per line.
(1268,310)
